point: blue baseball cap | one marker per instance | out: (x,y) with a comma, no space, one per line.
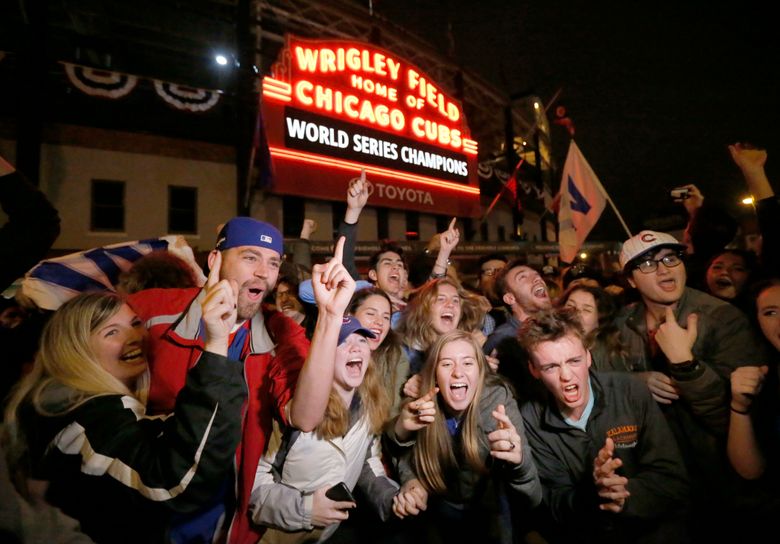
(350,325)
(247,231)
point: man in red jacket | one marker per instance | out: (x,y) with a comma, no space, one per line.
(286,379)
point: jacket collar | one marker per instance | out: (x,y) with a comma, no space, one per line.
(187,327)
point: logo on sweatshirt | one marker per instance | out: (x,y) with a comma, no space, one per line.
(624,436)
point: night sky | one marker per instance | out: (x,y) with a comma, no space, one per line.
(656,92)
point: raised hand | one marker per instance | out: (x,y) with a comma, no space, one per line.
(416,414)
(505,442)
(661,387)
(219,308)
(411,499)
(308,228)
(492,360)
(357,197)
(747,157)
(326,512)
(677,342)
(608,484)
(449,238)
(694,200)
(746,383)
(332,284)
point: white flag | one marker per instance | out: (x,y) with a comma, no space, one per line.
(583,198)
(52,282)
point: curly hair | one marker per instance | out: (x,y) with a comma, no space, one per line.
(416,327)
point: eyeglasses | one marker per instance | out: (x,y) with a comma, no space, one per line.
(649,266)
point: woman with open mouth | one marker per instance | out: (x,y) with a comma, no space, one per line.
(78,420)
(373,308)
(294,492)
(455,475)
(438,307)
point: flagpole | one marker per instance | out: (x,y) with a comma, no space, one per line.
(503,188)
(620,217)
(611,203)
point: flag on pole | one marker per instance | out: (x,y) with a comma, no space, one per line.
(583,198)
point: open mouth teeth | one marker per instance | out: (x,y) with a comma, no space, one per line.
(352,363)
(570,388)
(540,291)
(377,333)
(723,282)
(458,386)
(135,354)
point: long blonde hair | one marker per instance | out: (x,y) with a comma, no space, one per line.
(64,358)
(433,451)
(416,327)
(375,404)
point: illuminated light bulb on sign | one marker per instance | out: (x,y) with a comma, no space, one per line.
(747,201)
(221,60)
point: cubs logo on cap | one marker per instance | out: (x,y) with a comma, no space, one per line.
(247,231)
(350,325)
(645,241)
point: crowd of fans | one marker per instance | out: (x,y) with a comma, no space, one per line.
(269,398)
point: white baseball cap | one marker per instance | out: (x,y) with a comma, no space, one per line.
(645,241)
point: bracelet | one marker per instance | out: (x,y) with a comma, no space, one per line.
(740,412)
(685,366)
(435,276)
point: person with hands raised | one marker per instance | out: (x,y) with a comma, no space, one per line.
(471,455)
(744,451)
(505,441)
(751,162)
(220,310)
(686,362)
(608,484)
(79,420)
(415,415)
(288,379)
(447,241)
(292,488)
(609,465)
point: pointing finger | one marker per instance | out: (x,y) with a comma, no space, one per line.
(430,395)
(693,320)
(670,315)
(213,278)
(500,409)
(363,176)
(338,253)
(452,223)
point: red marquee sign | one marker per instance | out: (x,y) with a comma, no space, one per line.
(333,108)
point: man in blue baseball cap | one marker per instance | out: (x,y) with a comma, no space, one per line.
(278,359)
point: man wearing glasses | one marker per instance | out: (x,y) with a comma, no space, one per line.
(686,344)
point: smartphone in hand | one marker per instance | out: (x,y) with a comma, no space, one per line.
(340,492)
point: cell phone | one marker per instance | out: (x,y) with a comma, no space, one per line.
(680,193)
(340,492)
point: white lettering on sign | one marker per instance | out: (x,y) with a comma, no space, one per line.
(433,161)
(375,147)
(404,194)
(301,130)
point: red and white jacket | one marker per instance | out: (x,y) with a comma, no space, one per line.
(277,349)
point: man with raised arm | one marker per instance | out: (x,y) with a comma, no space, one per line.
(287,379)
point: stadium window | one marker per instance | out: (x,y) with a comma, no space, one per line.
(293,210)
(182,210)
(107,206)
(382,224)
